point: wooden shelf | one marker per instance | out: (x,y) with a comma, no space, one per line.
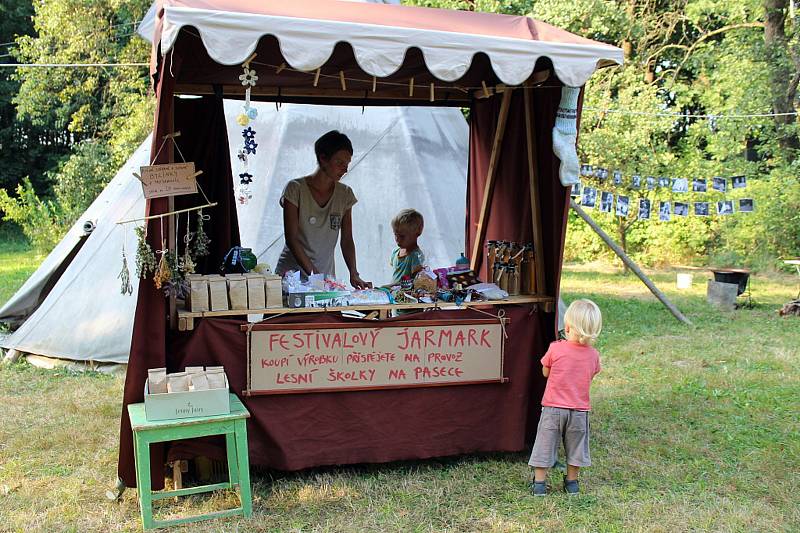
(186,318)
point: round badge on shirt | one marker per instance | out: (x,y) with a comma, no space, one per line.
(312,220)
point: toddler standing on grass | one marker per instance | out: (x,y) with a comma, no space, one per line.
(569,366)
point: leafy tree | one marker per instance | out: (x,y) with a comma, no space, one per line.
(25,149)
(686,58)
(99,113)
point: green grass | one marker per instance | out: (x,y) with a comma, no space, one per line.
(17,263)
(693,429)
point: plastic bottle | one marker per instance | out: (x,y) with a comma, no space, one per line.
(512,286)
(462,262)
(529,274)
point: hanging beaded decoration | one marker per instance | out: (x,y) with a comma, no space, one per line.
(248,79)
(125,274)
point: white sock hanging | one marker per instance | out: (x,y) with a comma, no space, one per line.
(564,136)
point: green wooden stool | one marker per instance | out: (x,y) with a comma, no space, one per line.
(232,425)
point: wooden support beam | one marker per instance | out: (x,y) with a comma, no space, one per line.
(533,174)
(629,262)
(488,189)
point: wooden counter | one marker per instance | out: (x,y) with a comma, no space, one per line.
(186,318)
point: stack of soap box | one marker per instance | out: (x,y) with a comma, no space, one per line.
(196,391)
(244,292)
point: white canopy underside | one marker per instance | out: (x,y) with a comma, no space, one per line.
(306,44)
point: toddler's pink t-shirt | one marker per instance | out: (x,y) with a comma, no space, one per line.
(572,367)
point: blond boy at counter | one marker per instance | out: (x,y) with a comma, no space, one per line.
(569,366)
(407,259)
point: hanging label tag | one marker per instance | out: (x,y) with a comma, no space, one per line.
(168,180)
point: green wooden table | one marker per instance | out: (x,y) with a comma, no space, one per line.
(232,425)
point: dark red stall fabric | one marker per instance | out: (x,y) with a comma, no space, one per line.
(509,215)
(203,140)
(148,340)
(295,431)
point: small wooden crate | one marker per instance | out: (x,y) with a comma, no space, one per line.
(189,404)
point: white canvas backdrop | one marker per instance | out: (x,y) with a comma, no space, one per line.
(404,157)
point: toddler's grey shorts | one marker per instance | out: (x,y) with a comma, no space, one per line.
(557,424)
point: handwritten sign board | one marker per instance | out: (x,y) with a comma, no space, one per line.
(168,180)
(289,358)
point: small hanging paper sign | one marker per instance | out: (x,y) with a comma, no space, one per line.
(168,180)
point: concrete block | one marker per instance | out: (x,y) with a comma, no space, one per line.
(722,295)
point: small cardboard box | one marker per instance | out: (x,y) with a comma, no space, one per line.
(256,292)
(217,292)
(318,299)
(237,291)
(187,404)
(273,291)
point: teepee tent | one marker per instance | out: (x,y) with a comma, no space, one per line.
(72,307)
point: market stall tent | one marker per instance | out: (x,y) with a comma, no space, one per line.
(409,144)
(508,70)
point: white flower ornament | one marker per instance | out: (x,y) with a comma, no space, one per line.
(248,78)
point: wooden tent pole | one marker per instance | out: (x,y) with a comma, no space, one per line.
(533,173)
(629,262)
(488,189)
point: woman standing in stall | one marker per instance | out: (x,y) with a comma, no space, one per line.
(316,208)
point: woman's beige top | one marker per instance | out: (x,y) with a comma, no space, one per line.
(318,227)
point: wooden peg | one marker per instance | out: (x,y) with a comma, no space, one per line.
(171,135)
(485,89)
(411,86)
(316,77)
(138,177)
(374,83)
(341,79)
(280,68)
(431,92)
(247,61)
(500,88)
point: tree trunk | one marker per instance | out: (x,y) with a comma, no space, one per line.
(784,72)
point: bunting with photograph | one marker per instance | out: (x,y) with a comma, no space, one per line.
(622,205)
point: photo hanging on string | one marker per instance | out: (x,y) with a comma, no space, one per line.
(725,207)
(589,197)
(606,202)
(739,182)
(651,183)
(701,209)
(587,171)
(623,204)
(680,185)
(699,185)
(746,205)
(719,184)
(664,214)
(681,209)
(617,177)
(644,209)
(636,181)
(663,182)
(576,189)
(601,173)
